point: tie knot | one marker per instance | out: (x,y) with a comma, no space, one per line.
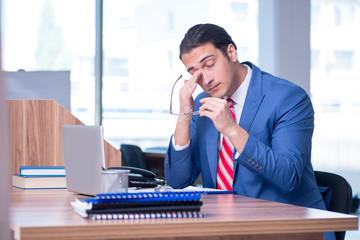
(231,106)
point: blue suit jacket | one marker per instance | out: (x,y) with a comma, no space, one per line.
(276,162)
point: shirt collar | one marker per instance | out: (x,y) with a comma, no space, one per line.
(240,94)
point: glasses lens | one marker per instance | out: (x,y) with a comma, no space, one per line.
(175,104)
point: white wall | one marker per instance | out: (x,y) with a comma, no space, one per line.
(4,169)
(4,162)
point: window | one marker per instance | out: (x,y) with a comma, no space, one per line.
(139,113)
(315,59)
(239,11)
(335,89)
(344,14)
(140,54)
(315,14)
(116,67)
(50,35)
(170,21)
(343,59)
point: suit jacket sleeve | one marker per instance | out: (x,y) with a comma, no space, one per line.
(180,167)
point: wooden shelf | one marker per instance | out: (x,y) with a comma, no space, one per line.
(36,134)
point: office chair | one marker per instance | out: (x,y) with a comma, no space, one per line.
(341,194)
(133,156)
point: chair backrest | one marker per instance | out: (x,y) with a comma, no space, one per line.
(341,196)
(133,156)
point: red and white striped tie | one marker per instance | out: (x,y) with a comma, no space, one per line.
(225,165)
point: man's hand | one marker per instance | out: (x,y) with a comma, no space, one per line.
(218,111)
(182,130)
(186,99)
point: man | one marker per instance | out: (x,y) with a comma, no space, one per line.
(270,136)
(253,132)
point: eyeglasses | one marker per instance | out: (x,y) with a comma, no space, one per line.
(171,103)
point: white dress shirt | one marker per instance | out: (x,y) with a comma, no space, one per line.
(239,97)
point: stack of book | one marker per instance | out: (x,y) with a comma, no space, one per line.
(40,177)
(140,205)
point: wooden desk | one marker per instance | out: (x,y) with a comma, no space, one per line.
(47,214)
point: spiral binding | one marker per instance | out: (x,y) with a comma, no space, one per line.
(145,197)
(114,216)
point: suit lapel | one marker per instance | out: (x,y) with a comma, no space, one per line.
(253,101)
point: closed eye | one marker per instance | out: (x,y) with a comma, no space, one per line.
(210,64)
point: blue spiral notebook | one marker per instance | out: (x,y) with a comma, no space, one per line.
(140,205)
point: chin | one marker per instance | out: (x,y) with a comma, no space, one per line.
(217,95)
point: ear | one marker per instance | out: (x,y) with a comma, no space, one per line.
(232,53)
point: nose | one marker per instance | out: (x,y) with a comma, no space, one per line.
(206,78)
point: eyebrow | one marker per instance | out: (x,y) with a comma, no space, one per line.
(202,60)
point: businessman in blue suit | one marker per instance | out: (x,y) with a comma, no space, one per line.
(271,133)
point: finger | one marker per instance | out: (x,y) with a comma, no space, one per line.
(195,77)
(213,99)
(212,106)
(214,102)
(213,115)
(205,114)
(189,88)
(216,109)
(192,82)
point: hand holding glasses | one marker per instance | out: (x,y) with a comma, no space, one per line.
(178,112)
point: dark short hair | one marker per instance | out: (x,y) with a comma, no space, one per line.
(206,33)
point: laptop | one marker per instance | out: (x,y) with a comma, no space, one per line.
(84,158)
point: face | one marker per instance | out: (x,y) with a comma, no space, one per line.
(218,76)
